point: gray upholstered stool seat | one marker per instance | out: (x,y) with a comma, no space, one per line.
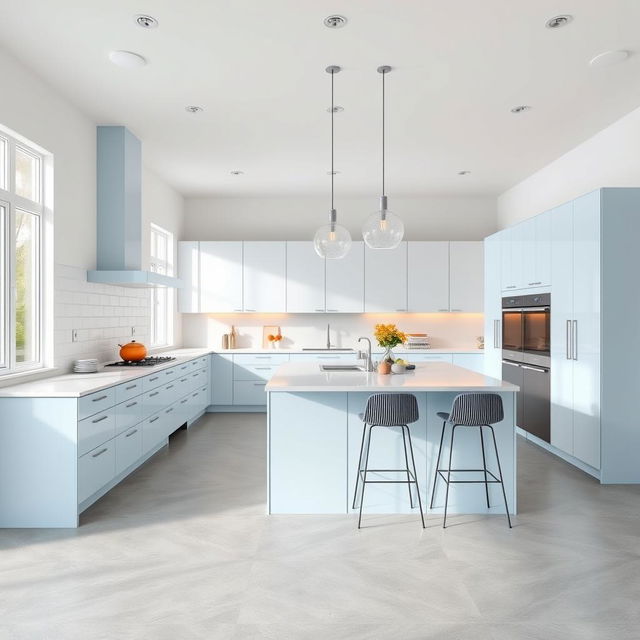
(471,410)
(388,410)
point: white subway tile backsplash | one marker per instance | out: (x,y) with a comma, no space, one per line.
(102,314)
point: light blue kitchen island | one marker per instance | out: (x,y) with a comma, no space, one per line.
(314,437)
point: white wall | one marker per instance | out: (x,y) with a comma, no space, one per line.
(608,159)
(296,218)
(309,330)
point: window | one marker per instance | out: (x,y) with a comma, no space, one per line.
(161,261)
(22,213)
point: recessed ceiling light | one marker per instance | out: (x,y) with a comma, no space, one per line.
(336,109)
(609,58)
(146,22)
(520,108)
(335,22)
(558,21)
(192,108)
(335,172)
(464,172)
(237,172)
(127,59)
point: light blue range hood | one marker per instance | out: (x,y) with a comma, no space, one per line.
(119,247)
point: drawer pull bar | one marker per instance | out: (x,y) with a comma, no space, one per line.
(155,393)
(131,386)
(193,395)
(98,399)
(131,404)
(259,384)
(95,455)
(100,419)
(263,357)
(263,368)
(169,410)
(169,386)
(153,379)
(154,419)
(131,433)
(183,380)
(183,401)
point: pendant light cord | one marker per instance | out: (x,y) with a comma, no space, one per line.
(332,115)
(383,132)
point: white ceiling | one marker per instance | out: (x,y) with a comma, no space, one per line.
(257,68)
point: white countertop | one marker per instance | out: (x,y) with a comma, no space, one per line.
(348,350)
(74,385)
(429,376)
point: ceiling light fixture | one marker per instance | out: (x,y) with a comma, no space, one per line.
(237,172)
(558,21)
(383,229)
(464,172)
(332,241)
(609,58)
(521,108)
(146,22)
(335,21)
(192,108)
(127,59)
(336,109)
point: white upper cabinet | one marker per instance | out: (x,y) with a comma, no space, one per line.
(264,276)
(466,288)
(386,279)
(428,276)
(220,276)
(492,306)
(345,282)
(542,252)
(305,278)
(189,273)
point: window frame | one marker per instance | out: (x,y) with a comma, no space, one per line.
(12,202)
(166,267)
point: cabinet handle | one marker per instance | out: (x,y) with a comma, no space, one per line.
(511,364)
(154,419)
(98,399)
(400,310)
(575,339)
(320,310)
(128,435)
(259,384)
(193,395)
(531,284)
(457,310)
(183,401)
(183,380)
(538,369)
(569,340)
(328,357)
(131,404)
(169,410)
(183,367)
(95,455)
(263,357)
(155,393)
(131,386)
(333,310)
(153,379)
(262,368)
(250,310)
(443,310)
(510,286)
(169,386)
(100,419)
(238,310)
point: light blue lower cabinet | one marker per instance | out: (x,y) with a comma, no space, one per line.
(222,376)
(310,446)
(128,448)
(473,361)
(128,414)
(249,393)
(153,432)
(96,429)
(96,469)
(426,357)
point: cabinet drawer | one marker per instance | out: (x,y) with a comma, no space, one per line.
(153,401)
(171,392)
(196,379)
(128,390)
(128,413)
(170,373)
(260,358)
(128,448)
(204,361)
(95,402)
(153,432)
(245,392)
(152,381)
(182,368)
(254,372)
(425,357)
(173,418)
(95,430)
(95,469)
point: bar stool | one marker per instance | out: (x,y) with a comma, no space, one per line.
(388,410)
(471,410)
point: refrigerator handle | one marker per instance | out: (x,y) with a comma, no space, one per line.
(569,340)
(575,339)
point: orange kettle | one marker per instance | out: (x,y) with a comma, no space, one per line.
(133,351)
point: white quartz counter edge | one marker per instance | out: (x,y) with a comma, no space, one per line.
(349,350)
(429,376)
(76,385)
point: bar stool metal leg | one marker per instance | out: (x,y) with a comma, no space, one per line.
(364,479)
(484,466)
(415,474)
(435,479)
(406,462)
(446,498)
(355,493)
(504,493)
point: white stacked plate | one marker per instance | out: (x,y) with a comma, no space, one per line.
(90,365)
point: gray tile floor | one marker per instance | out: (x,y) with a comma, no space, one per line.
(182,549)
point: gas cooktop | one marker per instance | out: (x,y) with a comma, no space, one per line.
(147,362)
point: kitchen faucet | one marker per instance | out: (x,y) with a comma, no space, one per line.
(369,364)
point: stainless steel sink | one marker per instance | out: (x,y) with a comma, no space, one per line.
(325,349)
(341,367)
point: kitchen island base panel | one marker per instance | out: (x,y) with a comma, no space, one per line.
(314,443)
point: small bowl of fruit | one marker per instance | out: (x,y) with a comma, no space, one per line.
(399,366)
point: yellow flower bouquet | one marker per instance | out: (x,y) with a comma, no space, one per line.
(388,336)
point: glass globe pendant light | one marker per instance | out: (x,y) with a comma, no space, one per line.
(332,241)
(383,229)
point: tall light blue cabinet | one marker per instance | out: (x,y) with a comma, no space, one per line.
(586,253)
